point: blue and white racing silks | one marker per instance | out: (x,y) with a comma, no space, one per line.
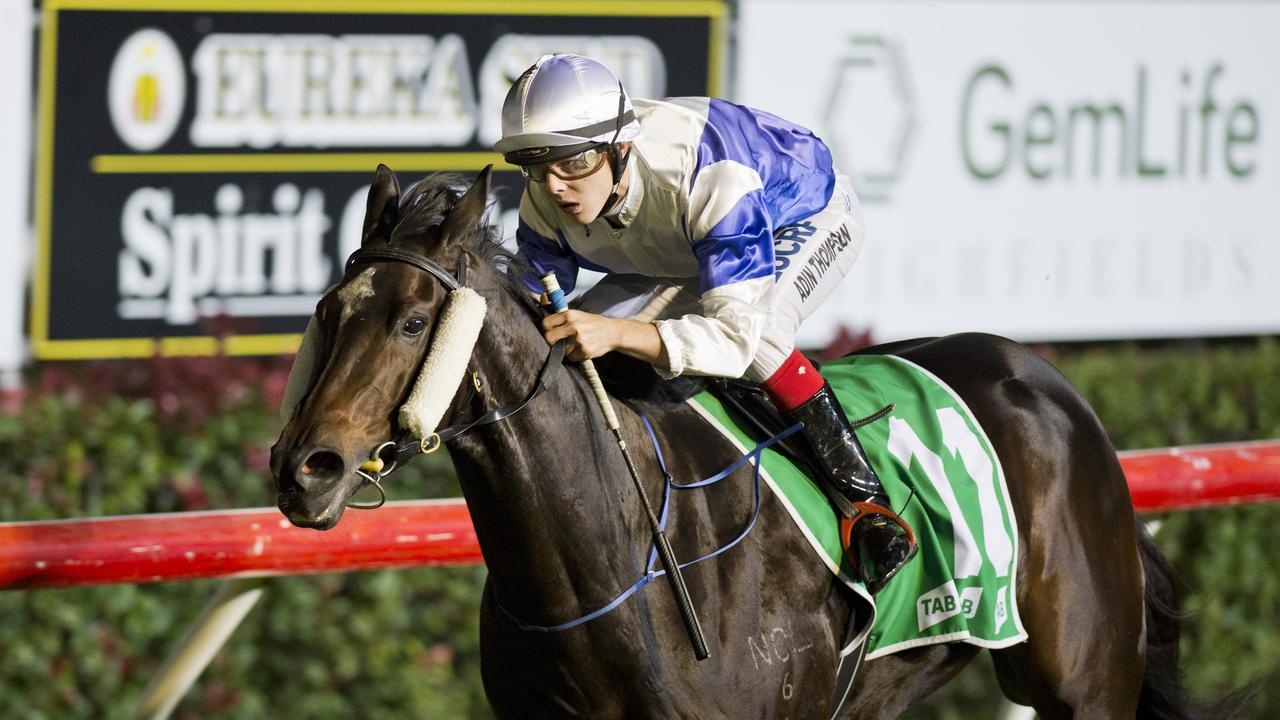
(710,182)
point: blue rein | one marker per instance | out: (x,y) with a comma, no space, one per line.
(651,573)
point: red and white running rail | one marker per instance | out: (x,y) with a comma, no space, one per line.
(1186,478)
(259,542)
(231,543)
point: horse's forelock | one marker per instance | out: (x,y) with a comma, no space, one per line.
(425,205)
(423,209)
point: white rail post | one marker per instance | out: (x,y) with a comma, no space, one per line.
(220,617)
(16,28)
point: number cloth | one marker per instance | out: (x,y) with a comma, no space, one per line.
(942,475)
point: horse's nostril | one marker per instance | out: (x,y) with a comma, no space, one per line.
(322,466)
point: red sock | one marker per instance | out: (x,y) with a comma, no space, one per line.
(794,383)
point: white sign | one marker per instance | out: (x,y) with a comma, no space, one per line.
(15,229)
(1046,171)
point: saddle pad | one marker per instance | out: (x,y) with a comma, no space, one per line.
(943,477)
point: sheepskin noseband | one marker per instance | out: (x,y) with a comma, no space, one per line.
(446,363)
(442,372)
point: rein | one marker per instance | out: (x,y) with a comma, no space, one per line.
(651,572)
(390,455)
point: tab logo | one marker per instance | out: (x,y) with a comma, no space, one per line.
(937,605)
(146,89)
(944,602)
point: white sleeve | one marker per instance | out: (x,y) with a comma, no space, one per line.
(723,339)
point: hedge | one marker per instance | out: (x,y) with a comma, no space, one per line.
(171,435)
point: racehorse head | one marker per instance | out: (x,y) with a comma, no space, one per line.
(354,380)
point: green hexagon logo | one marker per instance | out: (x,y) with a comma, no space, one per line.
(870,115)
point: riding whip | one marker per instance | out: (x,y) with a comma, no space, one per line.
(676,579)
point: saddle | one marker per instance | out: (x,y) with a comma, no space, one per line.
(755,414)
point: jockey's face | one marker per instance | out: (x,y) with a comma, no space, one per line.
(583,197)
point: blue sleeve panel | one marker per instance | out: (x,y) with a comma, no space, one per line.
(795,170)
(739,247)
(542,253)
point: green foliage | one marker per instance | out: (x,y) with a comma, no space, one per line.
(172,435)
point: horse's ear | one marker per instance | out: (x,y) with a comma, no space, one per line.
(383,208)
(466,214)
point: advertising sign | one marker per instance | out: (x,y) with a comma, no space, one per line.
(203,164)
(1043,170)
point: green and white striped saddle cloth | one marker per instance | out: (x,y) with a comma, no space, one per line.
(943,477)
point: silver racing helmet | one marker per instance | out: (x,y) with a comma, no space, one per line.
(562,105)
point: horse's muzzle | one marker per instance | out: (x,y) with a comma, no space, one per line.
(313,485)
(301,515)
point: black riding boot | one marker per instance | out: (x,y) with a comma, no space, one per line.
(876,540)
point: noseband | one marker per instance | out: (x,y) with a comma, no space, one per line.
(390,455)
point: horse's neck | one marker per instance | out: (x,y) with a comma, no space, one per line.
(551,500)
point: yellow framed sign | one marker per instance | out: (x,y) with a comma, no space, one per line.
(202,164)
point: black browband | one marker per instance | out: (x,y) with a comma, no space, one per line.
(370,255)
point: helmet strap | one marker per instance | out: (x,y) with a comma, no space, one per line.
(617,160)
(618,164)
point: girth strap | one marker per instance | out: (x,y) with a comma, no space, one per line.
(847,670)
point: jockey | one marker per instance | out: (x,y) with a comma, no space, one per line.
(721,228)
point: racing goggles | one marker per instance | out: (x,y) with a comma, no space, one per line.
(573,167)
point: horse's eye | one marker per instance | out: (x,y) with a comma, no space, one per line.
(414,326)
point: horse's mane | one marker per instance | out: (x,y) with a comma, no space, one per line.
(422,210)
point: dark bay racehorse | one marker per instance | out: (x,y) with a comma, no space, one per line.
(563,534)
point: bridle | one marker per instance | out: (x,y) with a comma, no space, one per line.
(390,455)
